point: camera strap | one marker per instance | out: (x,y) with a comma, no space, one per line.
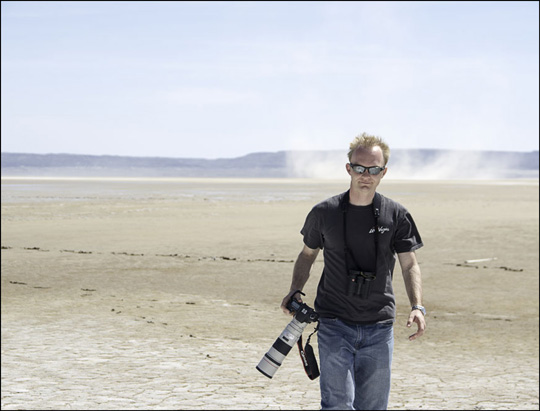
(309,361)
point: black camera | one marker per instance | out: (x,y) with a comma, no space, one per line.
(360,283)
(303,315)
(302,312)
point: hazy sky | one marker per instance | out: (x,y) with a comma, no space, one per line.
(223,79)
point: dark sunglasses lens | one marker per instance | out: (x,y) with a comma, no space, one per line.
(374,170)
(359,169)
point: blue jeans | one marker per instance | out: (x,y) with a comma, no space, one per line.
(355,362)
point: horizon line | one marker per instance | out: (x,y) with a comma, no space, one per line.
(268,152)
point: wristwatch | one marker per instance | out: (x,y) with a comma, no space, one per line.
(419,307)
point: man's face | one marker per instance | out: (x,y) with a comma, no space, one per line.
(367,157)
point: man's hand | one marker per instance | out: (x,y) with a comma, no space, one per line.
(287,299)
(417,317)
(301,269)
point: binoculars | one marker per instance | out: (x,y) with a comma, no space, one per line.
(360,283)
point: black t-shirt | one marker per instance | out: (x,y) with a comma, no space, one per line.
(360,222)
(397,233)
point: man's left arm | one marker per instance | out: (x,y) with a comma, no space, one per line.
(413,284)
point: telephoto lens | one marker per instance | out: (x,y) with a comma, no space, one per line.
(272,360)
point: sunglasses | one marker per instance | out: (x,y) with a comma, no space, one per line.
(375,170)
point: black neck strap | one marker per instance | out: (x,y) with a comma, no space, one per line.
(309,361)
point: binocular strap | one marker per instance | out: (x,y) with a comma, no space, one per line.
(309,361)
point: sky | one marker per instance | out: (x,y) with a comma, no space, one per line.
(224,79)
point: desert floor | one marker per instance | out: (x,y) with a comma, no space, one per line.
(165,293)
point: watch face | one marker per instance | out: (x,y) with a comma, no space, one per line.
(419,307)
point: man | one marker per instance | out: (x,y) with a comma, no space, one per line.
(360,231)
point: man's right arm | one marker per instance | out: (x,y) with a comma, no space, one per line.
(302,268)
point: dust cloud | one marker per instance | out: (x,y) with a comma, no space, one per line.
(421,165)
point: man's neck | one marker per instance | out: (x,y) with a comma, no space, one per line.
(360,197)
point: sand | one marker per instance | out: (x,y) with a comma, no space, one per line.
(165,293)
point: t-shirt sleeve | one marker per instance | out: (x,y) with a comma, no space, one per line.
(407,237)
(311,231)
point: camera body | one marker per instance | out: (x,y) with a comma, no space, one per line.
(302,312)
(272,360)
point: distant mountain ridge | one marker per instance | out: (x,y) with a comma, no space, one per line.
(416,163)
(110,161)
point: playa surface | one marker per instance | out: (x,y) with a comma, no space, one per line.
(165,293)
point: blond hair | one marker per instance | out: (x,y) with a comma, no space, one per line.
(365,140)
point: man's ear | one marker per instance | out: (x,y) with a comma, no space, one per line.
(384,172)
(349,169)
